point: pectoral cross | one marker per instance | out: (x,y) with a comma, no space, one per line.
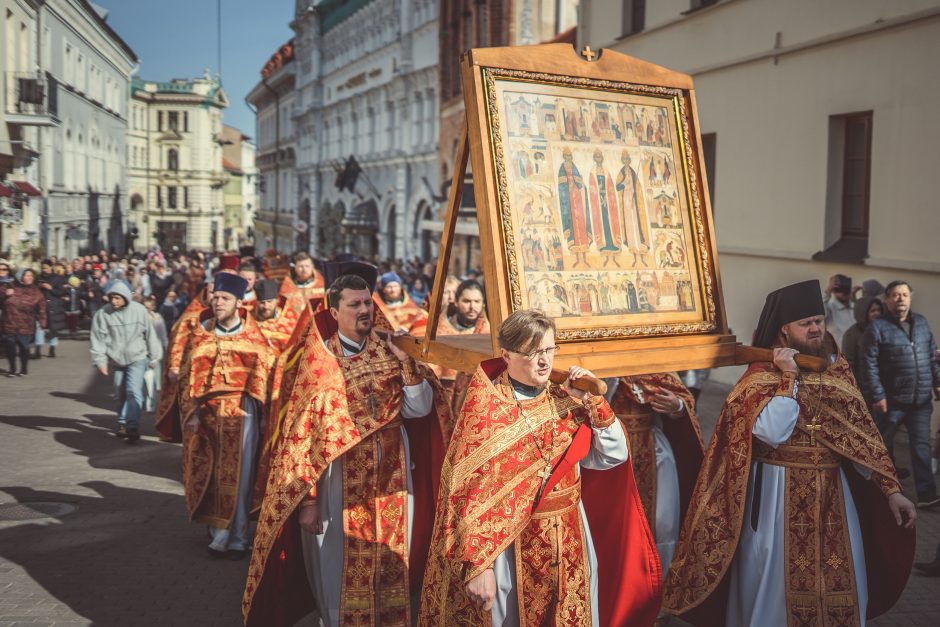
(813,427)
(545,473)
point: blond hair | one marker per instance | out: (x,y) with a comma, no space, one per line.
(523,331)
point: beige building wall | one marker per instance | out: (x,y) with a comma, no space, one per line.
(197,220)
(768,76)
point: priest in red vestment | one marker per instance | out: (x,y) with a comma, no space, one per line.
(397,307)
(345,522)
(305,281)
(223,386)
(658,413)
(468,318)
(797,517)
(180,336)
(274,314)
(520,537)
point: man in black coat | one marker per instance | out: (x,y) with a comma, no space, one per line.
(899,371)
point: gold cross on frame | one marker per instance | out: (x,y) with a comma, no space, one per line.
(813,427)
(588,54)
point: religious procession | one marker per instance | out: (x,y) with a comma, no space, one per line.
(473,333)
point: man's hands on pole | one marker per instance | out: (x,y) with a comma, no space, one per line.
(575,373)
(785,360)
(482,588)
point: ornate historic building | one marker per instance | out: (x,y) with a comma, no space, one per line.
(174,154)
(241,190)
(276,221)
(466,24)
(366,97)
(66,78)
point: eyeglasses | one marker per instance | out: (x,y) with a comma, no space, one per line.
(548,353)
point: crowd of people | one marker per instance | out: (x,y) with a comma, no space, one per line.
(387,490)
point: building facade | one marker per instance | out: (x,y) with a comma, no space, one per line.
(65,112)
(276,220)
(818,134)
(367,98)
(176,176)
(238,160)
(24,110)
(466,24)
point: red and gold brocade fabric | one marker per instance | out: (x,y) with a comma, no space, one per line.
(166,415)
(488,501)
(285,373)
(280,329)
(403,315)
(350,407)
(631,404)
(315,289)
(216,373)
(697,583)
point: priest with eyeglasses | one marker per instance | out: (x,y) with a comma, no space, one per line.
(538,519)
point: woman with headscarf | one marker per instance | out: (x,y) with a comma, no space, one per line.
(23,306)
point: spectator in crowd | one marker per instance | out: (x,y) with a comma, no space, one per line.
(248,271)
(124,342)
(867,308)
(94,290)
(152,376)
(899,371)
(6,276)
(840,314)
(418,291)
(73,311)
(54,288)
(24,309)
(170,308)
(161,280)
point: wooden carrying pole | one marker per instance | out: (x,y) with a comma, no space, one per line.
(591,385)
(744,355)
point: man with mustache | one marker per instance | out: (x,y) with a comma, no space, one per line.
(345,522)
(468,318)
(305,281)
(797,516)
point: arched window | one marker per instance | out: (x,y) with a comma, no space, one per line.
(172,159)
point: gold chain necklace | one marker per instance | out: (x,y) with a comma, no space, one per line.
(814,425)
(546,472)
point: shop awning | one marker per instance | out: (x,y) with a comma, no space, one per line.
(5,191)
(26,188)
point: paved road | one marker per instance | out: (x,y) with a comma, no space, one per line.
(94,532)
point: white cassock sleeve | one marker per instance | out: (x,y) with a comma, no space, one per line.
(608,448)
(776,422)
(419,399)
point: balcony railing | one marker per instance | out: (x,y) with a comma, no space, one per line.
(31,98)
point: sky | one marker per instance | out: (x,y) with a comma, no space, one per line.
(177,39)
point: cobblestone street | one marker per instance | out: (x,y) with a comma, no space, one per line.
(94,532)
